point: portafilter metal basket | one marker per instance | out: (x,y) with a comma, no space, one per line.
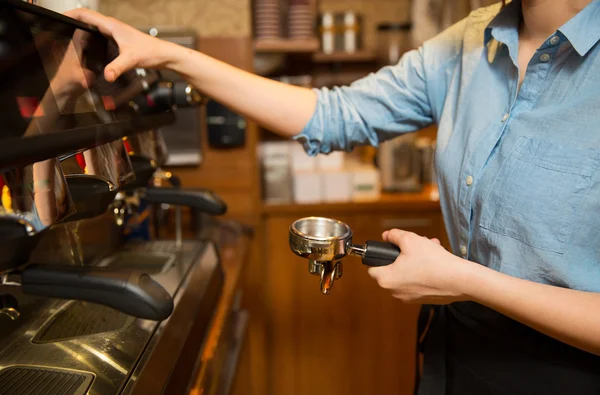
(324,242)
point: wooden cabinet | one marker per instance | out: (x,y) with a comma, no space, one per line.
(358,340)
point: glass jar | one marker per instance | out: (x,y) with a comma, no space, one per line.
(394,39)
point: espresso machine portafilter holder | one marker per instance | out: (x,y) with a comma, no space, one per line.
(325,242)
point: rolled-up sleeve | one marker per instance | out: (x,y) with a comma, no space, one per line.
(395,100)
(373,109)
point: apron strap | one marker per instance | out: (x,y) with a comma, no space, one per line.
(426,316)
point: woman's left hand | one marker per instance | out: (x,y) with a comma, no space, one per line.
(424,273)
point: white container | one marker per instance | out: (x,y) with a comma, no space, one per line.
(366,183)
(308,187)
(328,33)
(274,152)
(332,161)
(350,32)
(337,186)
(300,159)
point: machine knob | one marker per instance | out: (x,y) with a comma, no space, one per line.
(185,95)
(166,95)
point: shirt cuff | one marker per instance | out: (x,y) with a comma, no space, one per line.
(312,136)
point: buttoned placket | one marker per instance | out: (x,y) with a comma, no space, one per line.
(541,64)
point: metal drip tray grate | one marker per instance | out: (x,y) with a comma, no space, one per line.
(147,262)
(165,246)
(27,380)
(82,319)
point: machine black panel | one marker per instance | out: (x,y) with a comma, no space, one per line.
(53,94)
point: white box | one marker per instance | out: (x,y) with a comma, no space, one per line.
(300,160)
(332,161)
(366,183)
(308,187)
(337,186)
(275,152)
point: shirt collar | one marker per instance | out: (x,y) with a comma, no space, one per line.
(582,31)
(504,27)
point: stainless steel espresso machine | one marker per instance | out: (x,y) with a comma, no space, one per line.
(82,311)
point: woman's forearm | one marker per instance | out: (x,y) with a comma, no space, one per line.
(570,316)
(280,107)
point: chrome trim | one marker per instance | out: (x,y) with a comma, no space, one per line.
(115,356)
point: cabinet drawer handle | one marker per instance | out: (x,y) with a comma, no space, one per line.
(408,223)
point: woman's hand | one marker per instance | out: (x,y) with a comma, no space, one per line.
(137,49)
(282,108)
(424,272)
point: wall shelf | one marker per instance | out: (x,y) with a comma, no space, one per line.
(344,57)
(283,45)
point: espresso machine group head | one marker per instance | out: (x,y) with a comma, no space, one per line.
(325,242)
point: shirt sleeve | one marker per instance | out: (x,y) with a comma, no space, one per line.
(393,101)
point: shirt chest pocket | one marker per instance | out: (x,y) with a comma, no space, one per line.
(538,192)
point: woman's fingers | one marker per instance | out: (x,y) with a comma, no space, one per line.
(103,23)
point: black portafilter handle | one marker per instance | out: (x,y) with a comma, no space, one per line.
(130,292)
(143,169)
(379,253)
(198,199)
(175,181)
(166,95)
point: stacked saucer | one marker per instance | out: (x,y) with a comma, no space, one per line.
(300,19)
(267,19)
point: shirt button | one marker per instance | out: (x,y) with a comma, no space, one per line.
(469,181)
(554,40)
(505,117)
(545,57)
(463,250)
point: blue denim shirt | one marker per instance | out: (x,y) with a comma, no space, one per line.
(517,169)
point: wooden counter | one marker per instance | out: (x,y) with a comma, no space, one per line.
(220,352)
(427,199)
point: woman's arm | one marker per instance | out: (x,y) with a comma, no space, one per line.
(570,316)
(280,107)
(426,273)
(395,100)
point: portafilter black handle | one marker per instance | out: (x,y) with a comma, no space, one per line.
(197,199)
(165,95)
(378,253)
(133,293)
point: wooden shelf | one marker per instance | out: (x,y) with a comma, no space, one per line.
(337,79)
(287,45)
(427,199)
(344,57)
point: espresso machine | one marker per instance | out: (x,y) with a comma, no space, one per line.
(83,310)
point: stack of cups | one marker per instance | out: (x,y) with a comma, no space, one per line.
(300,19)
(267,18)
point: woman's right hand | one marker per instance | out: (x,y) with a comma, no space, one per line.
(278,107)
(137,49)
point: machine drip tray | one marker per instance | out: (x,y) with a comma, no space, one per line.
(30,380)
(145,261)
(81,319)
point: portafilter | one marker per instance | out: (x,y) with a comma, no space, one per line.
(325,242)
